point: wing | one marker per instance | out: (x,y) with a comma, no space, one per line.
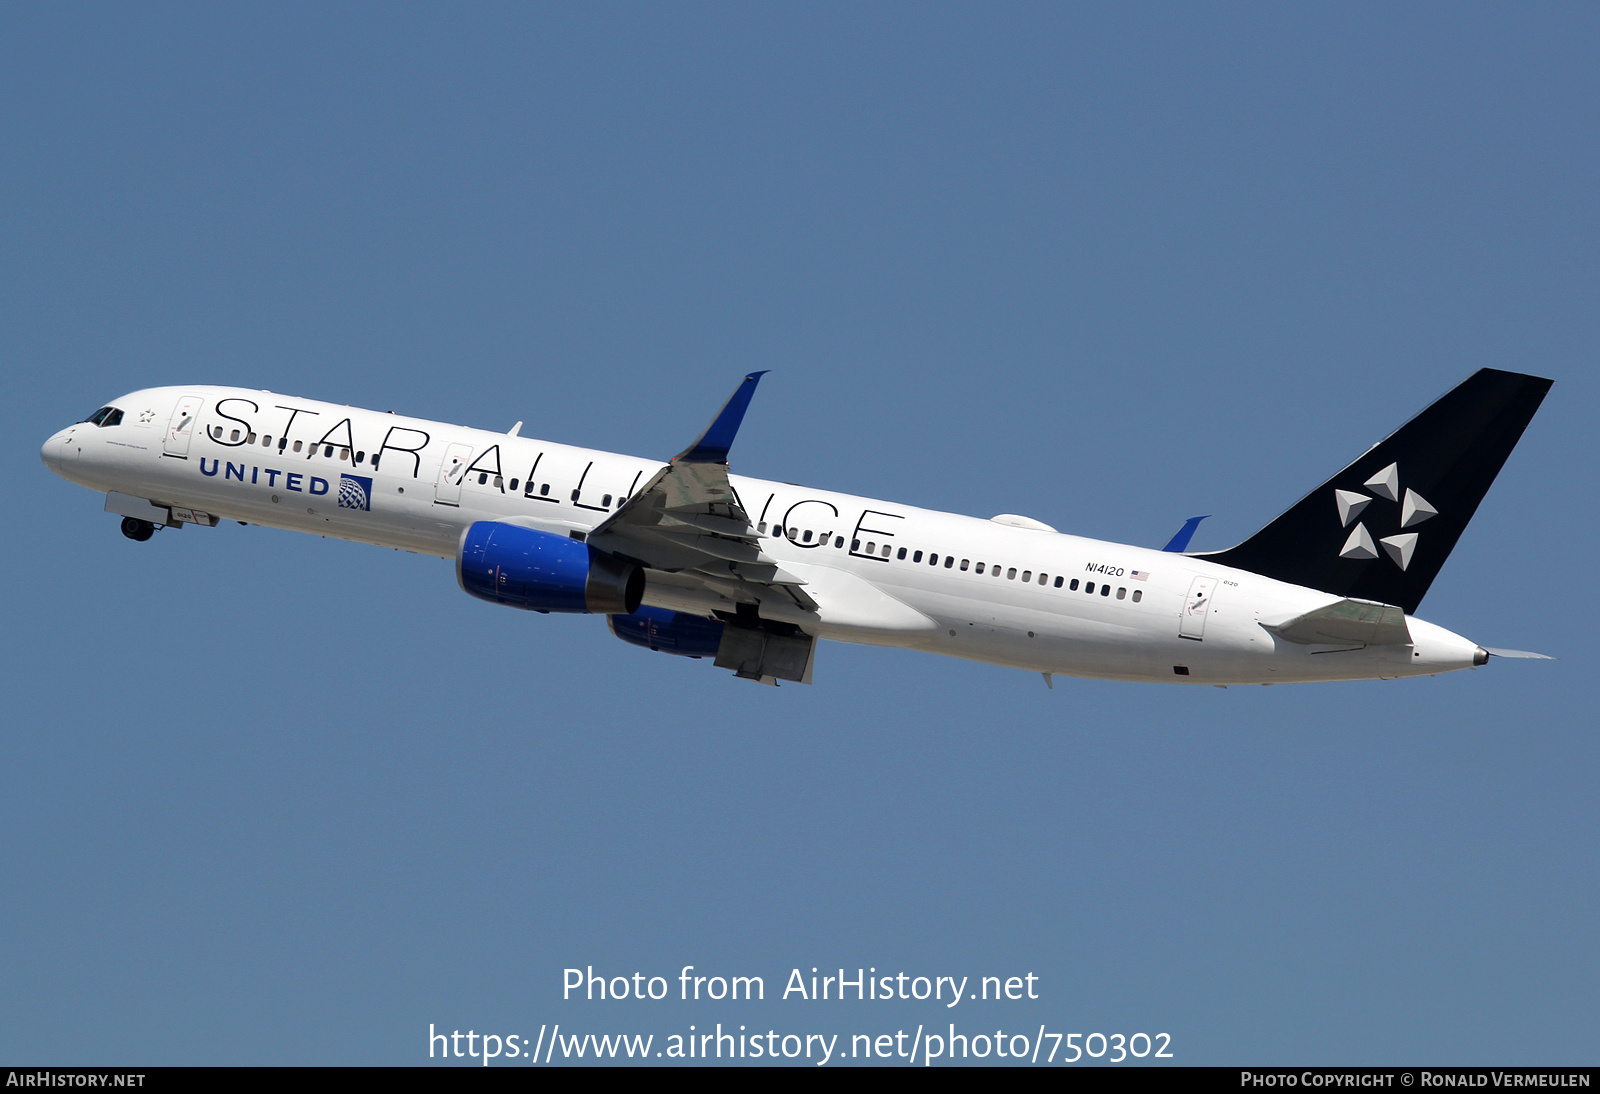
(689,522)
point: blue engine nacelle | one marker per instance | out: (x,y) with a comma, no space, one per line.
(669,632)
(543,572)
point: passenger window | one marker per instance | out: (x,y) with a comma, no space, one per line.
(1027,575)
(513,481)
(1105,590)
(344,453)
(499,483)
(574,495)
(1044,579)
(1122,593)
(963,565)
(234,436)
(761,529)
(838,541)
(855,545)
(483,477)
(949,561)
(1074,586)
(901,553)
(806,536)
(605,501)
(1137,596)
(361,457)
(995,570)
(872,547)
(249,438)
(297,446)
(1058,583)
(917,557)
(327,452)
(1011,574)
(979,568)
(885,550)
(266,442)
(1088,587)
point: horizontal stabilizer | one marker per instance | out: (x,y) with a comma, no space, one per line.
(1348,621)
(1517,653)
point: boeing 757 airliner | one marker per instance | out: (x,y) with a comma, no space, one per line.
(687,559)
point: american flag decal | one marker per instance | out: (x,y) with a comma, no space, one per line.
(1139,575)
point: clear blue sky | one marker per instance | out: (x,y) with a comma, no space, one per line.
(269,798)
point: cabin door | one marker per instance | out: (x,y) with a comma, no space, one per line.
(180,430)
(451,470)
(1192,623)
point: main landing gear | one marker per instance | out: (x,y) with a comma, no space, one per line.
(136,529)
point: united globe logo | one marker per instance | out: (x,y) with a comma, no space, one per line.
(355,492)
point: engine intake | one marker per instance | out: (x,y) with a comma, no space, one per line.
(544,572)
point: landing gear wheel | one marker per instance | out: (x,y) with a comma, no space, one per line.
(137,529)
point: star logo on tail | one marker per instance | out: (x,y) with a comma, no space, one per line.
(1385,485)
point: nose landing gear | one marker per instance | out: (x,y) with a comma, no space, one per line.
(136,529)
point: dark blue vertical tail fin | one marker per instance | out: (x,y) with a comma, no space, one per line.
(1381,528)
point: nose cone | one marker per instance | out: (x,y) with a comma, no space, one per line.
(53,452)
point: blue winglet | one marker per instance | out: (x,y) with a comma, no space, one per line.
(1180,541)
(713,445)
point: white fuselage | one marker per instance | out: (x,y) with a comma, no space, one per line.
(1039,603)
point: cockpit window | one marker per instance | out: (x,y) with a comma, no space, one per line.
(106,415)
